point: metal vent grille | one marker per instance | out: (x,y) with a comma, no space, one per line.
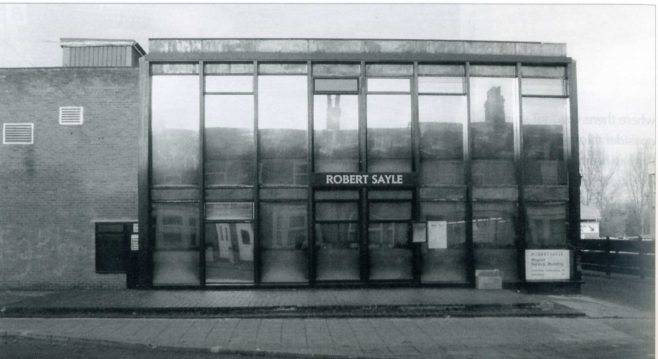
(18,133)
(71,115)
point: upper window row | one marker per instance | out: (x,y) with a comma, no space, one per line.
(354,69)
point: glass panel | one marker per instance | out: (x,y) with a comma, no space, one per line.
(392,69)
(494,236)
(388,194)
(544,71)
(546,226)
(336,211)
(229,253)
(492,70)
(456,70)
(385,85)
(494,110)
(283,123)
(229,83)
(544,121)
(389,251)
(336,85)
(442,121)
(337,251)
(174,69)
(390,211)
(230,211)
(284,242)
(282,68)
(320,195)
(444,254)
(389,133)
(176,238)
(336,126)
(336,69)
(555,87)
(229,135)
(441,84)
(233,68)
(175,130)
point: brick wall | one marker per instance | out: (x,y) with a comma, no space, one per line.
(53,191)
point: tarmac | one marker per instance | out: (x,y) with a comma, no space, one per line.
(337,323)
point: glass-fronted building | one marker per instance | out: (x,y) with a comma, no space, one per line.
(305,162)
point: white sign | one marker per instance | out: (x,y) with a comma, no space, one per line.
(134,242)
(135,227)
(420,232)
(437,234)
(547,264)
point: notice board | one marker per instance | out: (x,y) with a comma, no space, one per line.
(437,234)
(547,264)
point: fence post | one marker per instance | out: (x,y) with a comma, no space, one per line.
(608,256)
(640,258)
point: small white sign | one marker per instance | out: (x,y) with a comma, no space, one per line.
(135,227)
(134,242)
(547,264)
(437,234)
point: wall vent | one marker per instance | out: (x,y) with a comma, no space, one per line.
(17,133)
(71,115)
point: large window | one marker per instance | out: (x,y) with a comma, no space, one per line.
(444,253)
(337,240)
(544,138)
(389,125)
(229,136)
(284,242)
(336,128)
(282,128)
(442,120)
(494,110)
(546,225)
(176,249)
(494,236)
(175,129)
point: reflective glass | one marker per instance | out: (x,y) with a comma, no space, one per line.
(494,236)
(229,68)
(546,226)
(336,69)
(390,211)
(337,251)
(229,253)
(336,85)
(385,85)
(284,243)
(176,244)
(389,251)
(554,87)
(389,133)
(336,127)
(285,68)
(229,140)
(175,130)
(230,211)
(283,123)
(494,110)
(390,69)
(444,254)
(544,122)
(229,83)
(427,69)
(441,84)
(332,211)
(442,121)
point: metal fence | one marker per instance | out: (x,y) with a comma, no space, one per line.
(627,256)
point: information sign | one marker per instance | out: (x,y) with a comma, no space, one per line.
(547,264)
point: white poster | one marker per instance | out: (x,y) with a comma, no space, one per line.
(437,234)
(547,264)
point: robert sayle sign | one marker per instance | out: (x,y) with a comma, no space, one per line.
(547,264)
(364,179)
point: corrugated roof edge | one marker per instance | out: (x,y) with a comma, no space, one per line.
(84,42)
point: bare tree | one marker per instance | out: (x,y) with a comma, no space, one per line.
(597,171)
(636,180)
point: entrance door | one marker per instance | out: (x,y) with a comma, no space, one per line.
(390,253)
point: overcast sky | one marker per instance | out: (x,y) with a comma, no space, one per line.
(614,45)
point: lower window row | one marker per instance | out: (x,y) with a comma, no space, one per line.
(229,254)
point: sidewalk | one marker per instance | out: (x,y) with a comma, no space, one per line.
(548,327)
(398,302)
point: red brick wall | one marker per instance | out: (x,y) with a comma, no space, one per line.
(53,191)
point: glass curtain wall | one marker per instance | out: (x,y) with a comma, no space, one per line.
(337,235)
(283,137)
(175,180)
